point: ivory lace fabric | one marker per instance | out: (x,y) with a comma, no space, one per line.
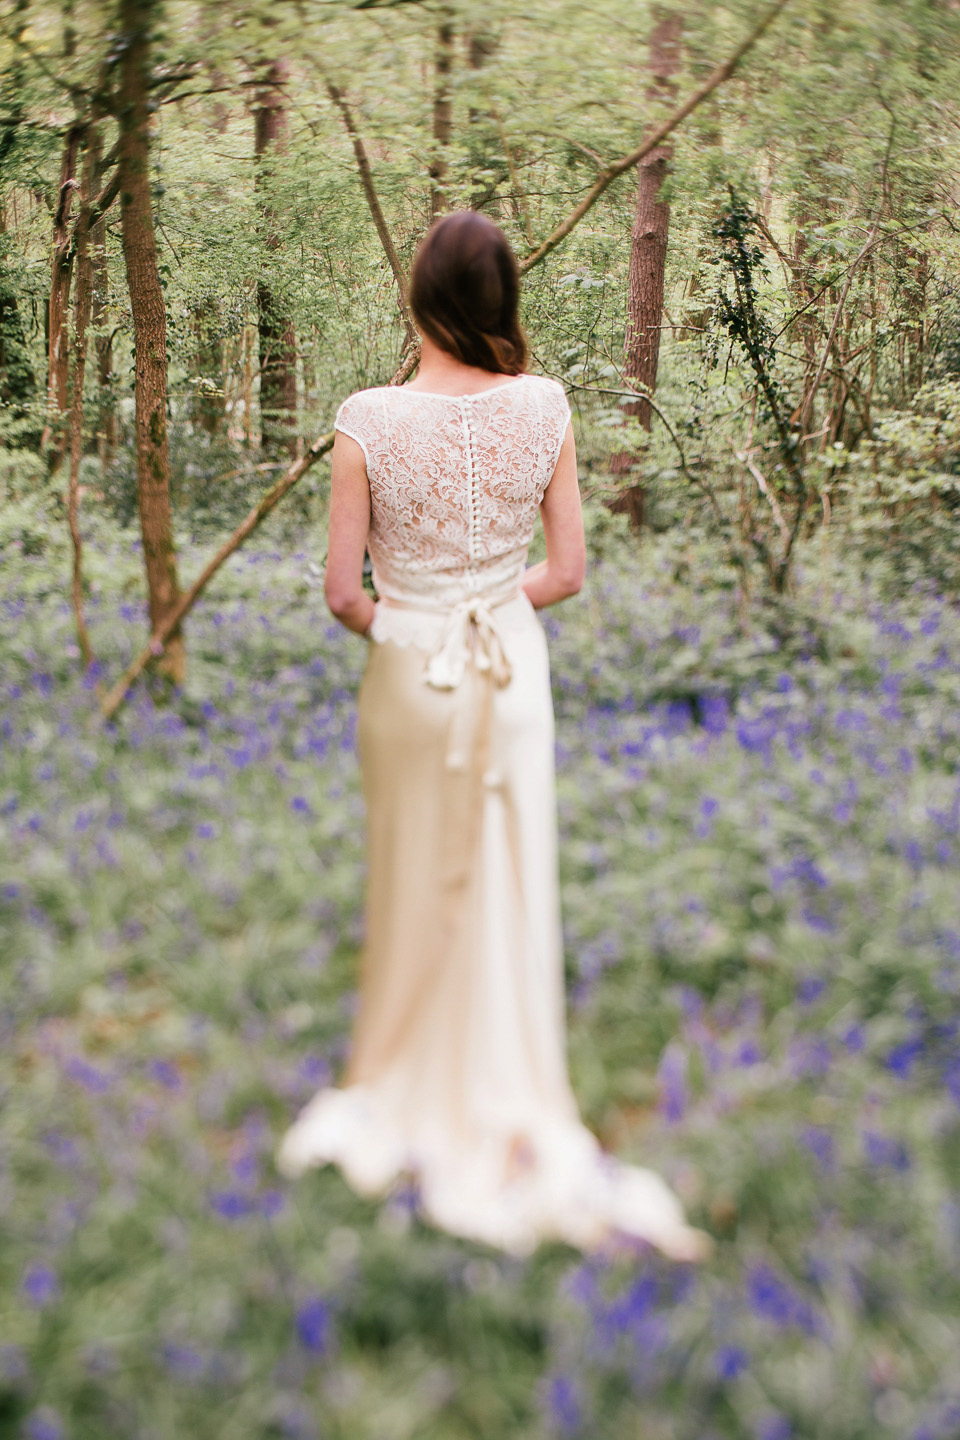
(457,1075)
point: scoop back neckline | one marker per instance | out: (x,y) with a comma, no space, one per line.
(473,395)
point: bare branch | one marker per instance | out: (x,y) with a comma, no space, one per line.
(868,245)
(373,203)
(321,446)
(657,137)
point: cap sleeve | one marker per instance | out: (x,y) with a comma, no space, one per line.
(354,419)
(555,413)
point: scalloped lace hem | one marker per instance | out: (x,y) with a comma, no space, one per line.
(548,1180)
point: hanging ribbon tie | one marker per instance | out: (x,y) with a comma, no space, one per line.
(470,630)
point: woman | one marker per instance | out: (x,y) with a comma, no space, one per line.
(458,1072)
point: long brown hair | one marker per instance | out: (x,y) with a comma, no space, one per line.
(464,293)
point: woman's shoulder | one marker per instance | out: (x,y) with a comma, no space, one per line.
(550,394)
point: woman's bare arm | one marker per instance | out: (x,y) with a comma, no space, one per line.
(561,574)
(347,536)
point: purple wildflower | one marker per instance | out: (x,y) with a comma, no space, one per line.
(774,1427)
(40,1286)
(904,1056)
(882,1150)
(563,1402)
(230,1204)
(730,1361)
(43,1424)
(313,1326)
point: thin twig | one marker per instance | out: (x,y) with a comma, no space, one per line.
(868,245)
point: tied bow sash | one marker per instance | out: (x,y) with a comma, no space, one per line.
(469,658)
(470,629)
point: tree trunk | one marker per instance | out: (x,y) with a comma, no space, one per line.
(442,116)
(648,255)
(208,402)
(17,380)
(81,319)
(149,326)
(278,343)
(58,354)
(100,317)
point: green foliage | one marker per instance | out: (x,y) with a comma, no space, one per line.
(758,860)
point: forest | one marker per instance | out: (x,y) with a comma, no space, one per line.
(737,225)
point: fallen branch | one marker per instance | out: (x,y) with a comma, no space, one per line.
(627,162)
(114,699)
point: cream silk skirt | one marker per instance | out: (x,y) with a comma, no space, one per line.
(457,1076)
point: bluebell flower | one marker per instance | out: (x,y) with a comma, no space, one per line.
(820,1144)
(231,1204)
(810,988)
(882,1150)
(730,1361)
(313,1326)
(774,1427)
(904,1056)
(43,1424)
(40,1286)
(672,1074)
(87,1075)
(563,1402)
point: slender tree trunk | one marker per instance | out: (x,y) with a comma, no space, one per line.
(83,289)
(442,116)
(208,403)
(278,342)
(484,133)
(17,380)
(149,326)
(648,254)
(106,405)
(58,353)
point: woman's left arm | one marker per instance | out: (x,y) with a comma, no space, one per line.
(347,536)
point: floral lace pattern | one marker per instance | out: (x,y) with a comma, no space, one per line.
(455,485)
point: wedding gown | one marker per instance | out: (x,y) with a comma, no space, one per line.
(457,1073)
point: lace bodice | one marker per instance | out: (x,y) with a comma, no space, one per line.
(455,485)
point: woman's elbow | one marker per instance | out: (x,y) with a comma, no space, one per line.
(571,578)
(340,599)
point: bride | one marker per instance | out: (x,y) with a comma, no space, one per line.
(457,1072)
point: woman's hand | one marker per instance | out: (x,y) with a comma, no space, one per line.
(347,536)
(561,574)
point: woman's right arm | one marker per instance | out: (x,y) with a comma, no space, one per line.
(561,574)
(347,539)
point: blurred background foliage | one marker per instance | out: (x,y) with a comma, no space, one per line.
(757,703)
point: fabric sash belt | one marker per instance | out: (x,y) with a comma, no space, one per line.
(471,659)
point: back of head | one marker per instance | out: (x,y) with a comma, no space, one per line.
(465,290)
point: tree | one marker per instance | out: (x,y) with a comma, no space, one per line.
(648,257)
(136,19)
(278,342)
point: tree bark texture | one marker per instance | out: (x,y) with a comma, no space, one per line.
(61,269)
(442,117)
(17,379)
(651,228)
(149,327)
(106,407)
(278,342)
(648,257)
(83,289)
